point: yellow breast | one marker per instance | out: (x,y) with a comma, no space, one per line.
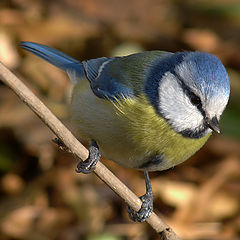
(129,131)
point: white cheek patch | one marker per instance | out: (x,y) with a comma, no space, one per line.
(175,105)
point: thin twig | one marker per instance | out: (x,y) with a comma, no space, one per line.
(80,151)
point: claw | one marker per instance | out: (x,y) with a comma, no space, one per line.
(89,164)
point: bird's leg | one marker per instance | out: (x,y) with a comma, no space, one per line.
(89,164)
(147,203)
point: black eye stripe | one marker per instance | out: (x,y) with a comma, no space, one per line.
(194,99)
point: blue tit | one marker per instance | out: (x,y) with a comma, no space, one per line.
(148,111)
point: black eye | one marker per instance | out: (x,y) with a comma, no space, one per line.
(195,100)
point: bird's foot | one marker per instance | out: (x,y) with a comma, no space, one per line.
(144,212)
(89,164)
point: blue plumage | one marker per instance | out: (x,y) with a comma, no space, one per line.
(208,73)
(54,57)
(103,84)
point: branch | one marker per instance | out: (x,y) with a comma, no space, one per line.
(80,151)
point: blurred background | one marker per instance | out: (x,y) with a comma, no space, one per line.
(41,195)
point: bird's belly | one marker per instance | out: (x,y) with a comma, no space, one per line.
(96,119)
(133,139)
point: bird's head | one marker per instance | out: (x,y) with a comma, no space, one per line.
(190,90)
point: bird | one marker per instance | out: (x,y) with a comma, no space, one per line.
(149,111)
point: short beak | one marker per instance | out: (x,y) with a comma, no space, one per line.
(213,124)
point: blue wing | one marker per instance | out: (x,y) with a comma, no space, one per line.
(103,83)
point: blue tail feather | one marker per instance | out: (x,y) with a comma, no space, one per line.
(55,57)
